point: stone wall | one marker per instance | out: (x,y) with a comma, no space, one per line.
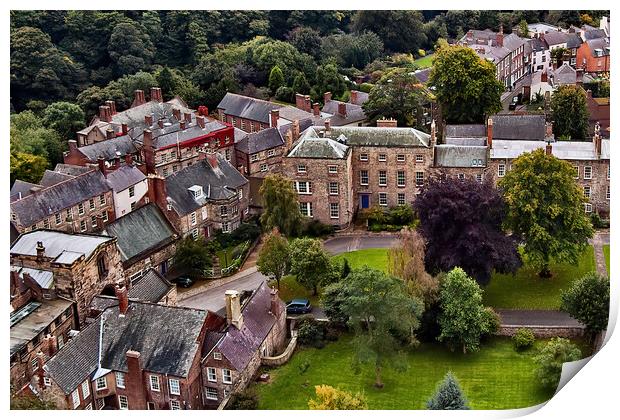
(542,331)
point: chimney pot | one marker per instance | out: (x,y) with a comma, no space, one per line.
(102,167)
(112,106)
(160,123)
(104,113)
(387,123)
(327,96)
(353,97)
(328,125)
(295,130)
(156,94)
(110,133)
(138,98)
(299,101)
(233,309)
(123,298)
(307,103)
(201,121)
(177,113)
(124,128)
(148,120)
(342,109)
(274,117)
(316,109)
(490,133)
(40,250)
(188,117)
(149,153)
(182,124)
(72,145)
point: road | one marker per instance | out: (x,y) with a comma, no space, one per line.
(213,299)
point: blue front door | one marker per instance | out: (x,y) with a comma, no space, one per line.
(365,201)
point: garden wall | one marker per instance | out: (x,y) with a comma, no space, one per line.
(545,331)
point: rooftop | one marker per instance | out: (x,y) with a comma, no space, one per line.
(124,177)
(151,287)
(455,156)
(246,107)
(567,150)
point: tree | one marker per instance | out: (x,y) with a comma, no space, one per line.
(310,263)
(276,79)
(280,208)
(398,95)
(27,167)
(193,257)
(301,85)
(587,300)
(569,111)
(551,358)
(546,209)
(465,85)
(381,330)
(406,261)
(29,402)
(306,40)
(461,222)
(523,29)
(400,30)
(352,50)
(273,258)
(130,47)
(65,118)
(330,398)
(329,80)
(448,395)
(29,136)
(463,319)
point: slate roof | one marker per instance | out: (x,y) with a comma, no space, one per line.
(260,140)
(73,170)
(311,145)
(238,346)
(555,38)
(218,183)
(109,149)
(46,202)
(568,150)
(594,34)
(519,127)
(466,141)
(573,41)
(60,246)
(246,107)
(239,134)
(361,98)
(140,232)
(355,113)
(151,287)
(21,189)
(174,135)
(134,117)
(44,278)
(379,136)
(165,336)
(599,43)
(124,177)
(564,75)
(465,130)
(455,156)
(52,178)
(292,113)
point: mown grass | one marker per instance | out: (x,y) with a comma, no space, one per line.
(496,377)
(606,253)
(424,62)
(372,257)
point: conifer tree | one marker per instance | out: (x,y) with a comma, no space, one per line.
(448,396)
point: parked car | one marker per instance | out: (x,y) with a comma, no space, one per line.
(298,306)
(514,103)
(183,281)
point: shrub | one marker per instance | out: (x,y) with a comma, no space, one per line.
(311,333)
(246,400)
(557,352)
(285,94)
(316,229)
(421,53)
(366,87)
(523,339)
(492,321)
(598,222)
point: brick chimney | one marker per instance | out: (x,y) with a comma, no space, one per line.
(328,125)
(124,128)
(490,133)
(134,381)
(327,96)
(50,345)
(40,250)
(274,116)
(499,37)
(299,101)
(128,159)
(233,309)
(342,109)
(149,153)
(40,372)
(72,146)
(275,302)
(182,125)
(549,149)
(110,133)
(295,130)
(138,98)
(543,76)
(112,106)
(188,117)
(148,120)
(123,299)
(102,167)
(212,159)
(387,123)
(177,113)
(160,123)
(288,141)
(104,113)
(200,120)
(307,103)
(157,191)
(156,94)
(353,97)
(598,141)
(433,133)
(316,109)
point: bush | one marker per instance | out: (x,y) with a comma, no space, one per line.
(315,229)
(311,333)
(246,400)
(285,94)
(421,53)
(492,321)
(555,353)
(366,87)
(523,339)
(391,220)
(598,222)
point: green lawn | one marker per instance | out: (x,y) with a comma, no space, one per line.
(606,252)
(372,257)
(496,377)
(290,289)
(526,290)
(424,62)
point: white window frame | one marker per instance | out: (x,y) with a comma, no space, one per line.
(334,188)
(217,355)
(47,381)
(609,192)
(264,167)
(154,383)
(587,172)
(382,157)
(120,376)
(419,178)
(308,210)
(212,374)
(576,168)
(175,386)
(132,191)
(301,168)
(362,176)
(307,190)
(332,169)
(587,207)
(209,393)
(103,380)
(194,233)
(270,153)
(587,191)
(81,209)
(175,405)
(225,227)
(75,397)
(123,402)
(102,200)
(363,157)
(192,219)
(401,199)
(501,170)
(89,406)
(226,373)
(334,211)
(419,158)
(398,179)
(58,219)
(383,201)
(85,389)
(253,157)
(400,158)
(383,178)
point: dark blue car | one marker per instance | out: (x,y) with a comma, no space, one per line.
(298,306)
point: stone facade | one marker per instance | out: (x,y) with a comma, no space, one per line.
(161,260)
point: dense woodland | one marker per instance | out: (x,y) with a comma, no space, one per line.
(64,64)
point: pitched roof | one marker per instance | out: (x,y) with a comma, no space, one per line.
(109,149)
(173,134)
(465,130)
(246,107)
(60,246)
(568,150)
(165,336)
(73,170)
(292,113)
(311,145)
(564,75)
(124,177)
(594,34)
(518,127)
(239,346)
(141,231)
(21,189)
(361,98)
(455,156)
(378,136)
(354,113)
(151,287)
(52,178)
(260,140)
(573,41)
(219,182)
(44,278)
(134,117)
(46,202)
(598,44)
(556,38)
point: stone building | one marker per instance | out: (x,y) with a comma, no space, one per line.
(144,239)
(255,328)
(202,198)
(41,323)
(357,168)
(345,113)
(82,265)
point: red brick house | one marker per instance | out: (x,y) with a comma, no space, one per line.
(593,56)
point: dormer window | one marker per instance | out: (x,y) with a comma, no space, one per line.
(196,191)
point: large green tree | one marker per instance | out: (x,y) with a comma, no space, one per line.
(27,167)
(464,84)
(398,95)
(551,358)
(463,319)
(276,79)
(546,209)
(310,263)
(193,257)
(383,317)
(65,118)
(130,48)
(280,207)
(273,258)
(30,136)
(400,30)
(587,300)
(448,395)
(353,50)
(569,111)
